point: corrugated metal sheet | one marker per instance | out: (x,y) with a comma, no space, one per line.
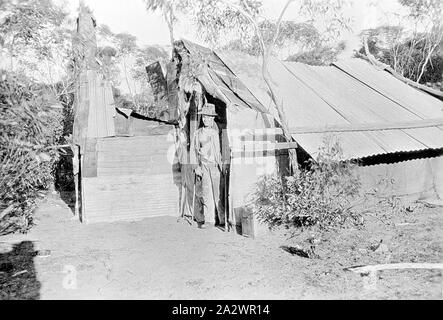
(129,198)
(101,108)
(134,180)
(416,101)
(350,93)
(358,102)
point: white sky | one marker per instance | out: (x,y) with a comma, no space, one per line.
(149,28)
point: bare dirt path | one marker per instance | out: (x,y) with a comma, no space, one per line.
(163,259)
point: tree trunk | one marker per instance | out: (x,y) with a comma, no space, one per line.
(128,84)
(168,15)
(428,58)
(171,28)
(266,53)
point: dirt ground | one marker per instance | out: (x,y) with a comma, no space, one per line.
(161,258)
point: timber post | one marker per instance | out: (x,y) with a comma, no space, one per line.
(84,45)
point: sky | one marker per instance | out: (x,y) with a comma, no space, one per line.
(131,16)
(149,28)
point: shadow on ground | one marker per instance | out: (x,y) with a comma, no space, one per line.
(18,277)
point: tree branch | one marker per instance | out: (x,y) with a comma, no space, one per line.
(372,59)
(250,18)
(279,22)
(266,54)
(169,18)
(428,57)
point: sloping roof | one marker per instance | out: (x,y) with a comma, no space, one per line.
(374,112)
(416,101)
(221,80)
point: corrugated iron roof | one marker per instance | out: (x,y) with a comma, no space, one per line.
(414,100)
(349,93)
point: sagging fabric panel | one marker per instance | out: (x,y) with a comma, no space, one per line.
(246,171)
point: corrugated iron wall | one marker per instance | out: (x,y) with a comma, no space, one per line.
(101,107)
(135,180)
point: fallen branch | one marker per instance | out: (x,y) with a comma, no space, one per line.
(405,224)
(370,272)
(394,266)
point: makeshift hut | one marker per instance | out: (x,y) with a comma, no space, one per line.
(393,129)
(131,167)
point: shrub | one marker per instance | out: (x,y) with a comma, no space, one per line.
(30,127)
(63,169)
(322,196)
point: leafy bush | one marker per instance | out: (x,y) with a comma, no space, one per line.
(30,127)
(322,196)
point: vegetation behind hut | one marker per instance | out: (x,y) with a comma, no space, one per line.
(322,198)
(416,51)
